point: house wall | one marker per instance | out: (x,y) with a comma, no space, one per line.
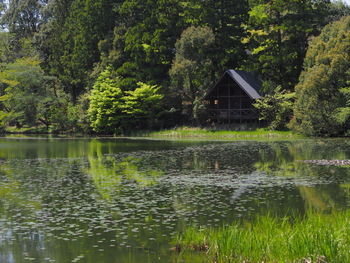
(228,101)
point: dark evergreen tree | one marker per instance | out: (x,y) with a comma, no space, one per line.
(279,31)
(23,17)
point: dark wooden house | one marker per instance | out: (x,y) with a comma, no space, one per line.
(231,98)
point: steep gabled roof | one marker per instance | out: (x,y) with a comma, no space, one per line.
(246,80)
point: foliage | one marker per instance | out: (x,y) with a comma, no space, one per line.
(276,109)
(24,88)
(181,46)
(337,9)
(142,104)
(278,37)
(112,110)
(70,39)
(22,17)
(342,114)
(322,98)
(225,18)
(192,69)
(105,107)
(5,49)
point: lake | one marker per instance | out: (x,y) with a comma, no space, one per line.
(126,200)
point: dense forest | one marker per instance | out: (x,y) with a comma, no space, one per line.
(111,66)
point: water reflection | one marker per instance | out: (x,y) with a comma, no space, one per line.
(286,161)
(125,200)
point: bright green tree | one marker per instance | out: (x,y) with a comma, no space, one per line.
(105,109)
(142,105)
(112,111)
(322,95)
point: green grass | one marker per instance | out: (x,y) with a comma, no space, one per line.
(188,132)
(316,238)
(26,130)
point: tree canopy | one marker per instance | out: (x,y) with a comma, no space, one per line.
(107,66)
(322,96)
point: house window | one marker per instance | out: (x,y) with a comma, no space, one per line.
(216,102)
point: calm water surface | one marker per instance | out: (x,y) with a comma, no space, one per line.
(123,200)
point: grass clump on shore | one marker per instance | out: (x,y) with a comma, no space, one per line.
(200,133)
(315,238)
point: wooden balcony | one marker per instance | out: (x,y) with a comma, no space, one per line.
(233,114)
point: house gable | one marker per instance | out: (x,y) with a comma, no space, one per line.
(231,98)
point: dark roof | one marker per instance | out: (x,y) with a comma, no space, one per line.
(246,80)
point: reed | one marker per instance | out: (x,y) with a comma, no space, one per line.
(314,238)
(189,132)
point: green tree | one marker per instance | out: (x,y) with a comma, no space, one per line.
(2,8)
(68,40)
(6,54)
(142,105)
(49,38)
(24,86)
(322,99)
(105,109)
(279,31)
(225,18)
(87,23)
(192,69)
(276,108)
(112,111)
(142,46)
(23,17)
(337,9)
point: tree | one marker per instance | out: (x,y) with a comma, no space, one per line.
(87,23)
(279,31)
(225,18)
(142,105)
(23,17)
(113,111)
(6,53)
(2,9)
(24,86)
(192,69)
(322,101)
(69,39)
(142,46)
(105,109)
(337,9)
(276,108)
(49,38)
